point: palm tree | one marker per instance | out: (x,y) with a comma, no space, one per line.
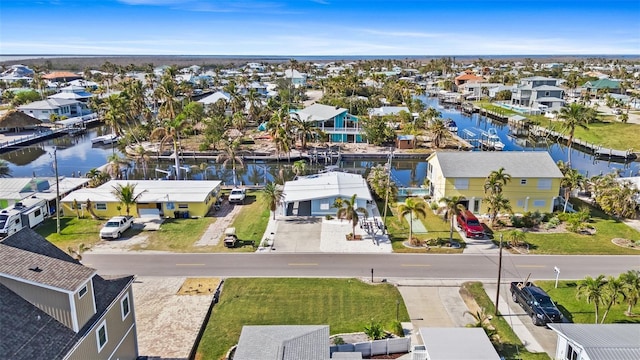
(231,154)
(572,179)
(126,194)
(115,163)
(516,237)
(452,208)
(614,294)
(299,167)
(305,130)
(497,203)
(593,290)
(142,158)
(631,288)
(274,195)
(170,131)
(349,212)
(412,206)
(576,115)
(76,253)
(439,132)
(496,181)
(5,170)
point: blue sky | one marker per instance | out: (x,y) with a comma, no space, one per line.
(320,27)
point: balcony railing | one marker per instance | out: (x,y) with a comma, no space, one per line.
(339,130)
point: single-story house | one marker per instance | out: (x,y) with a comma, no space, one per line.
(314,195)
(597,341)
(535,178)
(185,198)
(444,344)
(43,109)
(334,121)
(17,121)
(283,342)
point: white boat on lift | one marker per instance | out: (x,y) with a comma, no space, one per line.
(494,140)
(105,139)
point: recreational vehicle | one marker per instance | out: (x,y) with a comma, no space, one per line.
(28,212)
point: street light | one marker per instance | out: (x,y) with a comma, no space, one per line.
(55,167)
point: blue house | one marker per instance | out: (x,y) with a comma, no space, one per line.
(334,121)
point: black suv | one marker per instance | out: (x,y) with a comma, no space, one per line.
(536,302)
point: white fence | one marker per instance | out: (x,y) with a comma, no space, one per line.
(375,347)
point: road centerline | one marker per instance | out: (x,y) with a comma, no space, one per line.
(303,264)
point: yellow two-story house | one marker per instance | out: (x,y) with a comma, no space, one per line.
(535,178)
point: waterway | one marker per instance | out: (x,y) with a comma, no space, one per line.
(76,156)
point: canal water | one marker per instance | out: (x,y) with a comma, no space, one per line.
(77,155)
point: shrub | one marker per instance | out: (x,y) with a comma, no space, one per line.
(517,221)
(553,223)
(328,217)
(397,328)
(338,340)
(374,331)
(434,206)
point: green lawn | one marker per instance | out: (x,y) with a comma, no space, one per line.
(498,109)
(615,135)
(510,345)
(399,231)
(346,305)
(73,231)
(600,243)
(578,311)
(177,235)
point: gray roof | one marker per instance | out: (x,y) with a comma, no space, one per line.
(388,110)
(283,342)
(444,344)
(42,269)
(30,333)
(548,88)
(525,164)
(603,341)
(49,104)
(320,112)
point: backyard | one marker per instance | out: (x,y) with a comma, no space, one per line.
(346,305)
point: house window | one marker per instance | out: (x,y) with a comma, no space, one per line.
(476,206)
(37,213)
(546,93)
(520,203)
(324,205)
(101,335)
(82,292)
(125,306)
(461,184)
(572,354)
(523,181)
(539,203)
(544,184)
(183,206)
(101,206)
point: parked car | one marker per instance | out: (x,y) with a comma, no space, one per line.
(470,224)
(116,226)
(536,302)
(237,195)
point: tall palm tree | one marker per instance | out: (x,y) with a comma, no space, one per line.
(274,195)
(631,288)
(170,131)
(574,116)
(439,132)
(452,208)
(127,196)
(305,130)
(5,170)
(142,158)
(572,179)
(412,206)
(299,167)
(614,295)
(349,211)
(496,181)
(231,154)
(593,291)
(497,203)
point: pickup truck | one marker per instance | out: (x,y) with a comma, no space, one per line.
(116,226)
(536,303)
(237,195)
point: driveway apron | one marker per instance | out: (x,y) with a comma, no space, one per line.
(298,235)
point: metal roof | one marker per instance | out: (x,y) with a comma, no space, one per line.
(283,342)
(326,185)
(525,164)
(320,112)
(444,344)
(603,341)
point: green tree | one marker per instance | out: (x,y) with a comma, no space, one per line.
(299,167)
(170,131)
(593,291)
(127,196)
(496,181)
(5,170)
(274,195)
(376,130)
(613,295)
(631,288)
(439,132)
(231,154)
(412,206)
(574,116)
(572,179)
(452,208)
(516,237)
(497,203)
(349,211)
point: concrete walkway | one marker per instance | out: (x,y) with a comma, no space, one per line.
(224,218)
(418,226)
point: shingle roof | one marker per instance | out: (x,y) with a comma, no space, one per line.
(604,341)
(41,269)
(283,342)
(526,164)
(49,104)
(326,185)
(17,119)
(320,112)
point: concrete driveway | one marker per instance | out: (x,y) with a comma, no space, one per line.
(301,234)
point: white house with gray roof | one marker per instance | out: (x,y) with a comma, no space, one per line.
(43,109)
(597,341)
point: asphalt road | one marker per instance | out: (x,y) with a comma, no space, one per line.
(407,266)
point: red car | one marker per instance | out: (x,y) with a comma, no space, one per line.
(470,224)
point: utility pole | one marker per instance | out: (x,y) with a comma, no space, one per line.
(55,167)
(386,197)
(499,275)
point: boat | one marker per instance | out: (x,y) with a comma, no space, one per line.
(105,139)
(494,140)
(451,125)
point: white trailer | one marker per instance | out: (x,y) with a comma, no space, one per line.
(28,212)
